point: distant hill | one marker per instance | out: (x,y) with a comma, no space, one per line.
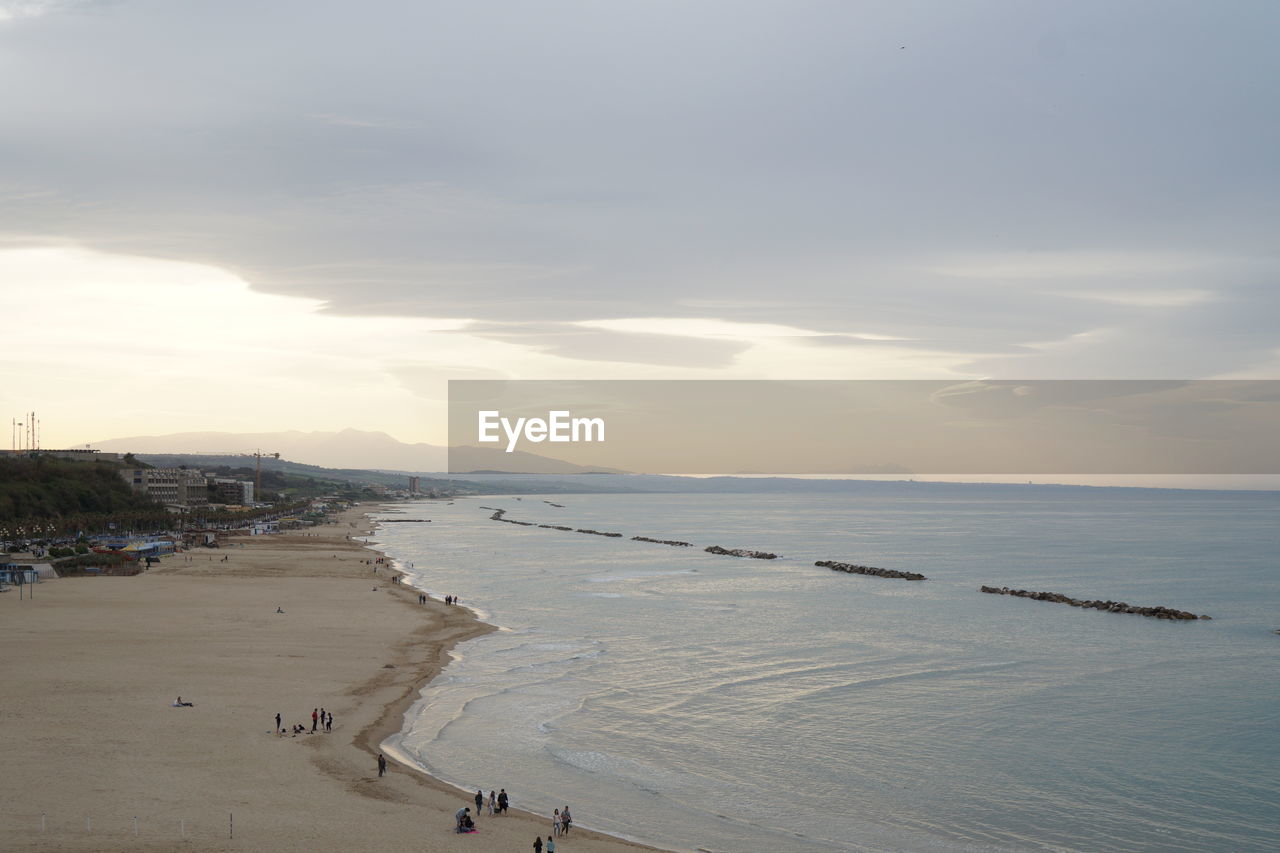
(466,459)
(350,448)
(347,449)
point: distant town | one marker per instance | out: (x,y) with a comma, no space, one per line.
(82,511)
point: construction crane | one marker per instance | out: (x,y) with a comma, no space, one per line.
(257,484)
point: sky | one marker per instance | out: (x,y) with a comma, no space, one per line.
(251,216)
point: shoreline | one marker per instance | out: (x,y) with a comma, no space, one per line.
(104,762)
(390,725)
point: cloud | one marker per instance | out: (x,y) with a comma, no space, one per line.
(1018,194)
(569,340)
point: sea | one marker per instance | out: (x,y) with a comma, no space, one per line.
(700,702)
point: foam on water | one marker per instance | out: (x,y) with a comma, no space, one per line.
(699,701)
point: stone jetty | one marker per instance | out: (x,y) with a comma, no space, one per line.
(1109,606)
(676,542)
(598,532)
(740,552)
(497,516)
(869,570)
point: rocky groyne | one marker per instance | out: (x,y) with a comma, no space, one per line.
(740,552)
(498,513)
(869,570)
(598,533)
(1109,606)
(675,542)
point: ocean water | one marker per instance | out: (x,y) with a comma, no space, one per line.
(702,702)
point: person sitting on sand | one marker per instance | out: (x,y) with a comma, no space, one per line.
(178,703)
(279,609)
(460,817)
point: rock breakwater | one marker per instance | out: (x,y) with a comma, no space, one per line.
(869,570)
(498,513)
(1109,606)
(740,552)
(676,542)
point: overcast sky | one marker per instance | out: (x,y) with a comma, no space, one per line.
(269,215)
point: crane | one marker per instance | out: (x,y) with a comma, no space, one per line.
(257,484)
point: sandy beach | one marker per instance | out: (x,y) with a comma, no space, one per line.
(91,739)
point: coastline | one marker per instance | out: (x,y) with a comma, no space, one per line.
(94,742)
(391,722)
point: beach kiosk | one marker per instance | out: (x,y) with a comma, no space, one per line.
(16,573)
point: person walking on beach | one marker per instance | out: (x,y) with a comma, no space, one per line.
(479,801)
(502,801)
(322,719)
(566,820)
(382,765)
(537,844)
(493,803)
(555,823)
(277,724)
(551,845)
(315,716)
(328,724)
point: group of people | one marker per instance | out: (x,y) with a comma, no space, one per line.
(321,720)
(560,822)
(498,802)
(451,599)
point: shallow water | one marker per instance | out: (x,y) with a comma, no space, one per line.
(701,701)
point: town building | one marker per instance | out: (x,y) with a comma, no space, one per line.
(231,491)
(84,454)
(169,486)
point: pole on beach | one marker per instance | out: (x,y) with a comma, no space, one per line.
(135,826)
(42,817)
(88,824)
(182,828)
(231,825)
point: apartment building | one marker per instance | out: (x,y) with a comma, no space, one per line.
(169,486)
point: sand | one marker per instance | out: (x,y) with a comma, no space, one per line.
(90,739)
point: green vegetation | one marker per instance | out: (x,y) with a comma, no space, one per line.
(276,482)
(206,517)
(45,487)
